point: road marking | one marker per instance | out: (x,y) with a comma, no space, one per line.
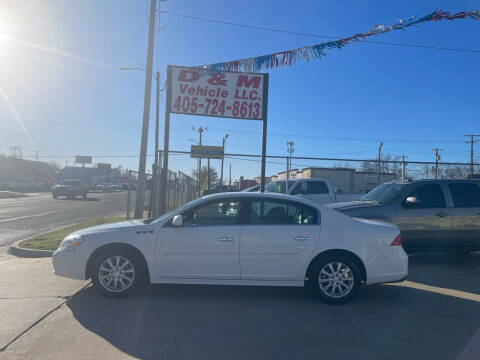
(33,215)
(439,290)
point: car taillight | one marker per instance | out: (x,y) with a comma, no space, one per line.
(397,241)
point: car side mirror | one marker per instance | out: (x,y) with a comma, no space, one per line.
(412,201)
(177,221)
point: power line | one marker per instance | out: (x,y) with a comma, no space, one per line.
(263,28)
(108,33)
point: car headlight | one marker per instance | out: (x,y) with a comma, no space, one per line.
(70,243)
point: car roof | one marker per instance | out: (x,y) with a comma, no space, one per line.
(266,195)
(434,181)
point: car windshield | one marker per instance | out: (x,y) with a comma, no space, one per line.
(166,215)
(278,186)
(384,193)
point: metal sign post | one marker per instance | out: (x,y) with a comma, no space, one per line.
(195,91)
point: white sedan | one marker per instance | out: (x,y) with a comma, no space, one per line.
(241,238)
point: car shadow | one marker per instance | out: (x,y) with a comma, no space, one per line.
(227,322)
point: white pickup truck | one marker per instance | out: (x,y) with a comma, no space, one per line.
(320,191)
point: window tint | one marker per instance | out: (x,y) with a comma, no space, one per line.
(280,212)
(465,194)
(301,188)
(317,187)
(430,196)
(218,213)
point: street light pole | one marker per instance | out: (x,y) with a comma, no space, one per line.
(379,159)
(221,171)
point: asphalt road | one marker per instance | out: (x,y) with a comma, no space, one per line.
(435,314)
(36,213)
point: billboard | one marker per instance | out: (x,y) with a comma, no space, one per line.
(228,94)
(206,152)
(79,159)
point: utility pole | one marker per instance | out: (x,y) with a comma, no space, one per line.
(221,171)
(437,159)
(155,166)
(36,154)
(290,150)
(230,181)
(403,166)
(471,142)
(142,181)
(379,159)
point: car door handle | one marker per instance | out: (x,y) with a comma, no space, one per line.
(301,238)
(225,238)
(442,214)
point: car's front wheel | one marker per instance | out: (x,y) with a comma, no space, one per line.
(117,273)
(335,279)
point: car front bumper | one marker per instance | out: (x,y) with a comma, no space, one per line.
(69,264)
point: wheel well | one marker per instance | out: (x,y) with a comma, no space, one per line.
(339,252)
(108,247)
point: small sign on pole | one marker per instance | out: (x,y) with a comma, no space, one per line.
(206,152)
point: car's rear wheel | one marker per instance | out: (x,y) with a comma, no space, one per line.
(335,279)
(117,273)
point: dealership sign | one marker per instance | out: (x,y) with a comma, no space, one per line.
(228,94)
(207,152)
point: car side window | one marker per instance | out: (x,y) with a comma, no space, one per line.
(465,194)
(300,188)
(429,196)
(317,187)
(281,213)
(220,213)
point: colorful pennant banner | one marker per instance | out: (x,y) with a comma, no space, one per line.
(308,53)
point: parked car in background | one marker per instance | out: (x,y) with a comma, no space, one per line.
(318,190)
(252,188)
(433,215)
(70,189)
(105,187)
(241,238)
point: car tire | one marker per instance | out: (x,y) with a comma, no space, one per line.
(108,280)
(55,196)
(335,279)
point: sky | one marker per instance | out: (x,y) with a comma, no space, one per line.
(62,91)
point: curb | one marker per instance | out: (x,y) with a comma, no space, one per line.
(16,250)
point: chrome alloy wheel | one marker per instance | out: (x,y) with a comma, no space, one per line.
(336,279)
(116,274)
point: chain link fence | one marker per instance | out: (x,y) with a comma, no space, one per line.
(189,178)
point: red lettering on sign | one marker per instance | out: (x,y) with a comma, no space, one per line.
(183,88)
(217,79)
(188,75)
(245,81)
(253,95)
(191,90)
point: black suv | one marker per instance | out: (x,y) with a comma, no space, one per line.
(70,189)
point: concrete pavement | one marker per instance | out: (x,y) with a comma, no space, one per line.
(36,213)
(28,292)
(433,315)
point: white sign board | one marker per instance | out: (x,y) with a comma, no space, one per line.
(228,94)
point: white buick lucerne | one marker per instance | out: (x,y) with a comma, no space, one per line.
(240,238)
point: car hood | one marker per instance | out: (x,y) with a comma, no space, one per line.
(352,205)
(117,226)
